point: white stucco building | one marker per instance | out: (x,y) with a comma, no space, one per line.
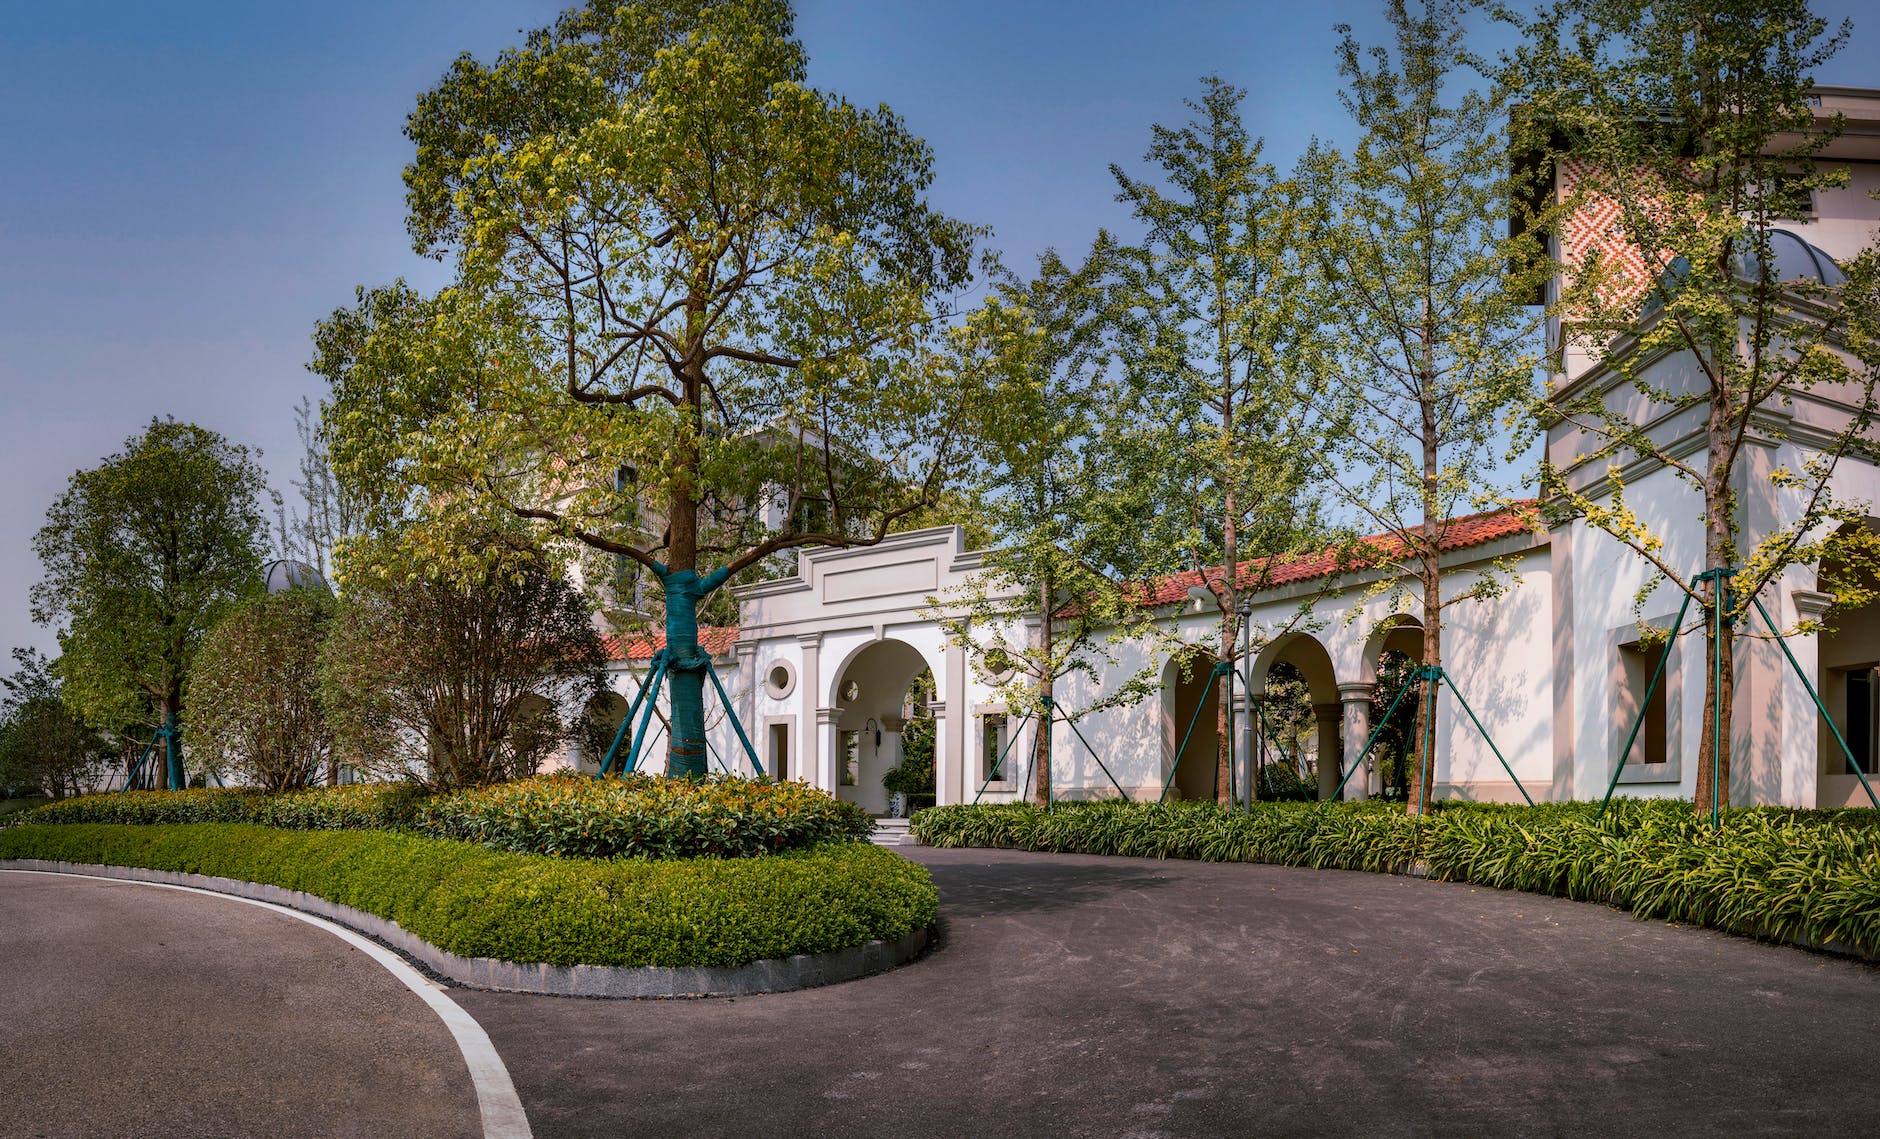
(820,664)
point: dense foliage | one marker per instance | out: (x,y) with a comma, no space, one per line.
(1769,872)
(455,681)
(570,816)
(527,908)
(254,692)
(44,746)
(143,554)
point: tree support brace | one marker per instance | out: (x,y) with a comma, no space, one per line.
(1221,668)
(1434,676)
(168,733)
(648,695)
(1093,755)
(1000,766)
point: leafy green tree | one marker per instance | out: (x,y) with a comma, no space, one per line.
(1432,345)
(44,746)
(458,681)
(143,554)
(695,314)
(1067,551)
(1690,121)
(1215,337)
(255,695)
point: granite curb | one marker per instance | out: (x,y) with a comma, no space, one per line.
(775,975)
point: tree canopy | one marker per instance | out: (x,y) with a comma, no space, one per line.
(697,314)
(143,554)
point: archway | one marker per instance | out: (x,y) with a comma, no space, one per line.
(600,723)
(1848,678)
(871,692)
(1392,654)
(1310,661)
(1188,685)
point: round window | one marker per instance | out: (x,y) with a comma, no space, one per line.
(779,679)
(851,690)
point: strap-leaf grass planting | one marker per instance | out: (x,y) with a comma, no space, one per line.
(477,902)
(565,815)
(1809,876)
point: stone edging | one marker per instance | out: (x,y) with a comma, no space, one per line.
(775,975)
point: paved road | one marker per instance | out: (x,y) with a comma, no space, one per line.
(1069,996)
(1087,996)
(130,1010)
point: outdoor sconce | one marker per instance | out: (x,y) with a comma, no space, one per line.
(874,727)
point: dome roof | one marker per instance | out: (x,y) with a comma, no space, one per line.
(282,575)
(1794,260)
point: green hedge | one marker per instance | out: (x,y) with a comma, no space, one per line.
(1783,874)
(567,815)
(477,902)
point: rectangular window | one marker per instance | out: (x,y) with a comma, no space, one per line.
(1640,662)
(1860,721)
(780,752)
(992,741)
(851,758)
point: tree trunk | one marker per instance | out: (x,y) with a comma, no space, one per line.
(1713,753)
(1230,613)
(1432,573)
(1041,742)
(685,661)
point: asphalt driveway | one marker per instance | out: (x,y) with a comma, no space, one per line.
(1067,996)
(1095,996)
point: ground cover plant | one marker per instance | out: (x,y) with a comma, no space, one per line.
(1811,876)
(563,815)
(477,902)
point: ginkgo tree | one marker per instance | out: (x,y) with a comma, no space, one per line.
(697,317)
(1689,126)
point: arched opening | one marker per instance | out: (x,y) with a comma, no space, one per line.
(1190,725)
(1848,678)
(1392,654)
(600,724)
(1289,672)
(871,698)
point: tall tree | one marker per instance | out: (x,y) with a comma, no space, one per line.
(1689,124)
(326,515)
(44,745)
(1432,344)
(1214,336)
(694,314)
(142,556)
(1068,552)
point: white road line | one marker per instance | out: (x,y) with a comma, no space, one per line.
(501,1108)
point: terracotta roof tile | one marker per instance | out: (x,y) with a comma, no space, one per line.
(715,639)
(1377,549)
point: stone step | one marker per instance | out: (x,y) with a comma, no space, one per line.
(891,832)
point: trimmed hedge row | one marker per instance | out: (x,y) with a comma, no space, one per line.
(1782,874)
(476,902)
(564,815)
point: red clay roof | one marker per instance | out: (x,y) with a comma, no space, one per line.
(1378,549)
(714,639)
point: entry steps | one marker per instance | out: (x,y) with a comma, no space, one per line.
(891,832)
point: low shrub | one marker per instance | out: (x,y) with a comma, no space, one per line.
(643,815)
(565,815)
(1769,872)
(477,902)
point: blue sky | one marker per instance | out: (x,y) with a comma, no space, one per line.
(187,187)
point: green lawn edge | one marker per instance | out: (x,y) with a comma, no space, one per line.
(526,908)
(1805,877)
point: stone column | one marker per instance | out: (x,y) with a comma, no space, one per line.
(808,699)
(1357,701)
(1802,743)
(944,793)
(829,755)
(1331,754)
(745,697)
